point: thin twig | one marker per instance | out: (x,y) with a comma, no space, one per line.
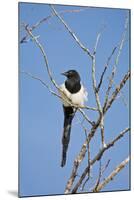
(44,56)
(122,96)
(101,171)
(80,157)
(89,108)
(42,82)
(85,116)
(55,94)
(45,19)
(98,157)
(116,61)
(99,177)
(108,90)
(88,145)
(97,94)
(71,32)
(112,175)
(105,68)
(116,92)
(88,151)
(96,43)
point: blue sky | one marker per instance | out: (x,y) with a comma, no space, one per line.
(41,115)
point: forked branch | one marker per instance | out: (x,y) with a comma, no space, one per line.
(98,157)
(112,175)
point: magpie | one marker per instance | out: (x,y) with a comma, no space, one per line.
(77,94)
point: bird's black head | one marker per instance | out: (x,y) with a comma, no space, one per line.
(72,74)
(72,83)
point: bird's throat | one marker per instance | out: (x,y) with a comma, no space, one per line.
(73,86)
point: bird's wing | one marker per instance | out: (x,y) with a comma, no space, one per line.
(65,93)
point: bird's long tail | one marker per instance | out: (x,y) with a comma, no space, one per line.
(68,117)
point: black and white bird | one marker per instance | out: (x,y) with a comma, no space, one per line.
(75,91)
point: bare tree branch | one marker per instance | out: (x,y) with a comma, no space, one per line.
(44,56)
(101,171)
(42,82)
(108,90)
(122,41)
(96,91)
(85,116)
(105,68)
(88,150)
(122,96)
(116,61)
(116,92)
(98,157)
(99,177)
(71,32)
(112,175)
(45,19)
(96,44)
(80,157)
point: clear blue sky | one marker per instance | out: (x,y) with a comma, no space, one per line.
(41,114)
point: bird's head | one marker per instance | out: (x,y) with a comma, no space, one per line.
(71,74)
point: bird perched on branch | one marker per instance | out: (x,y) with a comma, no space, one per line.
(74,91)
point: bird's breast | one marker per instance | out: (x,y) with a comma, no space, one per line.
(76,98)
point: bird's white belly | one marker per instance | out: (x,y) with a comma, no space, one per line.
(77,98)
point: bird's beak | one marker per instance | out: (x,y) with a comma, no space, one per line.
(64,73)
